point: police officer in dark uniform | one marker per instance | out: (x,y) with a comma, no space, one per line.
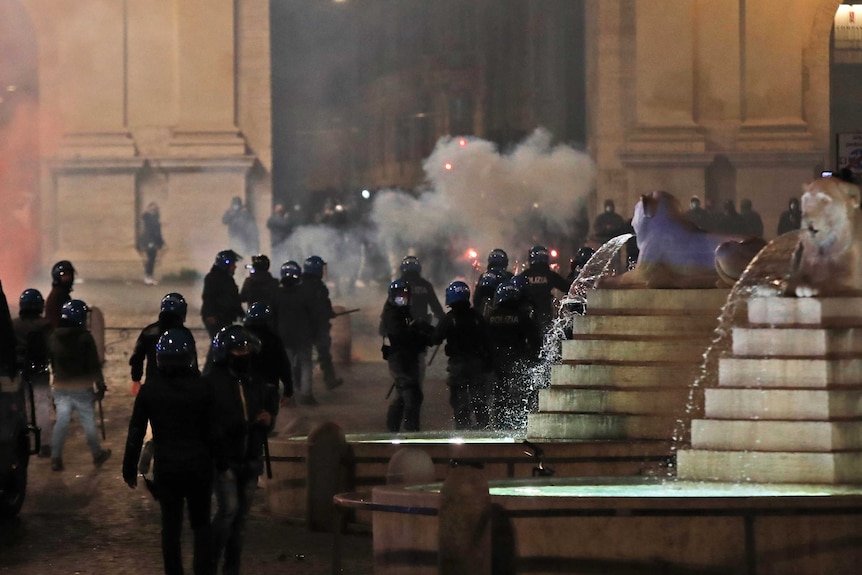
(321,314)
(496,273)
(408,338)
(424,300)
(172,315)
(541,280)
(221,305)
(271,364)
(468,348)
(31,346)
(62,278)
(516,338)
(293,322)
(243,416)
(178,405)
(260,285)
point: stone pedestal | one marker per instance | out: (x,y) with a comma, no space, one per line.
(788,407)
(627,371)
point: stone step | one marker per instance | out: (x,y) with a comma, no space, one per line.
(657,402)
(587,375)
(796,342)
(654,301)
(763,467)
(634,325)
(776,435)
(599,426)
(795,404)
(687,350)
(781,372)
(835,311)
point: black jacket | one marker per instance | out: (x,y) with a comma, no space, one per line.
(293,319)
(145,347)
(320,306)
(423,299)
(514,333)
(259,287)
(407,337)
(466,335)
(220,298)
(238,437)
(271,363)
(541,280)
(180,410)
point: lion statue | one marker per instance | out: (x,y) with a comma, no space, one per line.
(828,259)
(675,253)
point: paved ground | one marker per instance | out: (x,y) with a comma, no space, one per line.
(87,521)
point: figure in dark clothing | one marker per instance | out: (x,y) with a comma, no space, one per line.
(294,324)
(259,286)
(731,220)
(321,316)
(271,365)
(516,338)
(609,224)
(150,241)
(424,300)
(241,228)
(697,215)
(791,219)
(62,279)
(31,348)
(172,315)
(280,227)
(540,282)
(468,348)
(752,224)
(221,305)
(243,419)
(496,273)
(408,339)
(178,406)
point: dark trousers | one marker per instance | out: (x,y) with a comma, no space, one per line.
(468,392)
(150,262)
(407,404)
(234,496)
(174,490)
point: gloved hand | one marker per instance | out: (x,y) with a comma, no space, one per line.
(101,388)
(136,387)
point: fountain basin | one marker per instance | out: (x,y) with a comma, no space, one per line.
(642,525)
(366,459)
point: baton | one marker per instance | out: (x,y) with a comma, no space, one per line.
(433,355)
(347,312)
(388,393)
(102,419)
(266,460)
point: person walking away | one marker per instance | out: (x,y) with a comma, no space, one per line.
(150,241)
(179,407)
(62,279)
(221,305)
(293,322)
(791,218)
(31,348)
(271,365)
(516,339)
(259,286)
(321,316)
(496,273)
(76,368)
(468,348)
(242,425)
(408,339)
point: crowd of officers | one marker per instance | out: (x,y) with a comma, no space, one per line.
(492,341)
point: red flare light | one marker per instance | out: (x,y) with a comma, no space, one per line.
(554,253)
(447,166)
(471,254)
(462,142)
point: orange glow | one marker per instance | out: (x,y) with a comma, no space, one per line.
(447,166)
(554,253)
(462,142)
(471,254)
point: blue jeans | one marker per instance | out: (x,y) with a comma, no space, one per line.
(80,400)
(234,496)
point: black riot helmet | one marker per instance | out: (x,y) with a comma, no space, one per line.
(399,293)
(62,273)
(31,302)
(582,257)
(411,264)
(539,255)
(258,314)
(225,258)
(291,273)
(175,352)
(233,340)
(457,292)
(498,259)
(174,304)
(507,293)
(313,266)
(74,313)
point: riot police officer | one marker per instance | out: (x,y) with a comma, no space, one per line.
(408,339)
(321,314)
(62,279)
(271,365)
(423,299)
(260,285)
(541,280)
(294,323)
(178,406)
(221,305)
(468,348)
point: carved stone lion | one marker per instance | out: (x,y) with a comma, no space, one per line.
(675,253)
(828,260)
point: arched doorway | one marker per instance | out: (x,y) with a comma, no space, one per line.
(19,147)
(845,88)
